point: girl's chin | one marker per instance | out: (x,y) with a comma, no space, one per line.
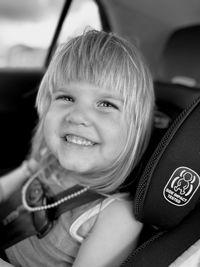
(77,167)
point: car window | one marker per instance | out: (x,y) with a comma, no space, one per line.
(27,28)
(83,15)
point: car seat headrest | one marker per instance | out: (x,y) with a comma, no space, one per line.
(181,56)
(169,187)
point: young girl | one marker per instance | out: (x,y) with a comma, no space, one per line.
(95,105)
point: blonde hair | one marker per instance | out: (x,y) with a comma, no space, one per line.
(107,61)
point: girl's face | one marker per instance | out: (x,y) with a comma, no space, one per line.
(85,127)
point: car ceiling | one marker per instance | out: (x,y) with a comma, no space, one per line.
(149,22)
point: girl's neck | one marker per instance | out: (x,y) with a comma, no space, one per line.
(65,180)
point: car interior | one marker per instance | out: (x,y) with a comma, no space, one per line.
(182,46)
(166,182)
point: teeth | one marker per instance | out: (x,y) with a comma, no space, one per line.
(78,140)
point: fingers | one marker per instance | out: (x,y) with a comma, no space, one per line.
(30,166)
(5,264)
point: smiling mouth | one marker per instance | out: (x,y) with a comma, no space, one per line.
(77,140)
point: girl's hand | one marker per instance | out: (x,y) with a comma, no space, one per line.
(5,264)
(30,166)
(13,180)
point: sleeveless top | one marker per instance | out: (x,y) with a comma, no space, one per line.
(60,246)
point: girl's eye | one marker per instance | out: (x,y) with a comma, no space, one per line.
(107,104)
(65,98)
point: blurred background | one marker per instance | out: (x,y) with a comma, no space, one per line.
(27,28)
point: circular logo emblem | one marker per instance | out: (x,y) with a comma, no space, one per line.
(181,186)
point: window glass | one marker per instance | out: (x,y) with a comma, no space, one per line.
(26,31)
(83,14)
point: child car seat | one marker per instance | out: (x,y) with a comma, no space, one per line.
(171,100)
(168,193)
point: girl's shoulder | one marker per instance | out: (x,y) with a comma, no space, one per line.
(113,236)
(115,206)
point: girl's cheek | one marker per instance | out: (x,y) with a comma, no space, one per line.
(47,126)
(109,116)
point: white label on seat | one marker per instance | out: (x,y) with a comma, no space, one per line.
(181,186)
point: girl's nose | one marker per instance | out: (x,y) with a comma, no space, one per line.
(78,116)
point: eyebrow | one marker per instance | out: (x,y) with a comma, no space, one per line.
(112,96)
(102,93)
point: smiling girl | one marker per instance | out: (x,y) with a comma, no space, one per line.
(95,105)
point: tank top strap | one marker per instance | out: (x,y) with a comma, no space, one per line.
(87,215)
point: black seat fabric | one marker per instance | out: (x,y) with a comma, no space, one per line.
(168,193)
(169,186)
(164,247)
(171,100)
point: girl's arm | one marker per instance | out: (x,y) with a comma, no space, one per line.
(113,237)
(5,264)
(13,180)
